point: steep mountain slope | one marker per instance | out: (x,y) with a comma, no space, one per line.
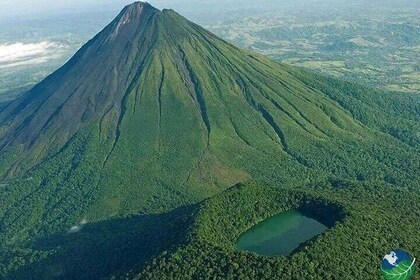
(91,84)
(155,112)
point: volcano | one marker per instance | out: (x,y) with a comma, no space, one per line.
(156,112)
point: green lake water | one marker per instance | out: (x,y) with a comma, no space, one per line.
(280,235)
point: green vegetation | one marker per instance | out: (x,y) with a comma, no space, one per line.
(375,42)
(352,249)
(156,113)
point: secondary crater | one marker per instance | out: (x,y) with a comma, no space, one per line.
(285,233)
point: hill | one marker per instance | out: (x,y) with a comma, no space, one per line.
(156,114)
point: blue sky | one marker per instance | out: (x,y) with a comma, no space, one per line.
(12,8)
(47,8)
(196,10)
(17,8)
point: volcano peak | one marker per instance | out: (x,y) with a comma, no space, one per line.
(133,15)
(135,9)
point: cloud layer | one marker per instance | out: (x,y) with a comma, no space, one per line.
(17,54)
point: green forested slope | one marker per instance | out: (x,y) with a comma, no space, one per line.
(155,113)
(364,228)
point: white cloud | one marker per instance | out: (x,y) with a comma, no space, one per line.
(77,228)
(18,54)
(74,229)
